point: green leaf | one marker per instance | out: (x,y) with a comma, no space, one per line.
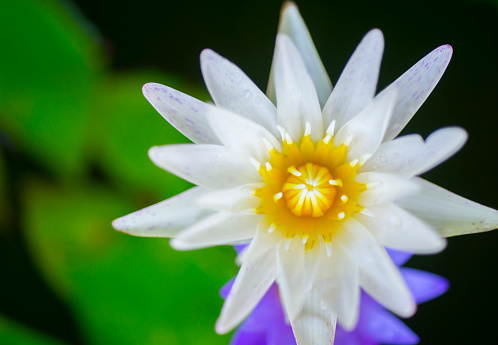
(13,333)
(123,289)
(48,67)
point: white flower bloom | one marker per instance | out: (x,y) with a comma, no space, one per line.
(316,184)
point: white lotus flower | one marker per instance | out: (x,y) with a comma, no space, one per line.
(317,184)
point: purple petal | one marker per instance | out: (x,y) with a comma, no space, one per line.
(424,285)
(225,289)
(241,337)
(398,257)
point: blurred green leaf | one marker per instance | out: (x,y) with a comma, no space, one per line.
(48,68)
(128,126)
(13,333)
(4,205)
(123,289)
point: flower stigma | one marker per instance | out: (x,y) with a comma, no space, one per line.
(309,188)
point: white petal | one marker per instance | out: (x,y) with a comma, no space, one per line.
(337,282)
(358,81)
(409,155)
(366,130)
(211,166)
(297,102)
(378,275)
(232,89)
(295,272)
(449,213)
(397,229)
(253,280)
(164,219)
(217,229)
(237,199)
(185,113)
(242,135)
(316,324)
(262,242)
(414,86)
(382,187)
(292,24)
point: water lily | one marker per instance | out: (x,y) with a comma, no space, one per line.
(316,181)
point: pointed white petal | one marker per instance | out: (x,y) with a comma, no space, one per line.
(409,155)
(382,187)
(292,24)
(295,272)
(378,275)
(338,284)
(164,219)
(397,229)
(448,213)
(316,324)
(185,113)
(297,102)
(414,86)
(232,89)
(217,229)
(367,129)
(237,199)
(262,242)
(253,280)
(358,81)
(242,135)
(210,166)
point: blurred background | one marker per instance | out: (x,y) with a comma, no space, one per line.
(75,130)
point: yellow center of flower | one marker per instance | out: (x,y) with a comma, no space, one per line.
(309,189)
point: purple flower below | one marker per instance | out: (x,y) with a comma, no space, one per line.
(267,323)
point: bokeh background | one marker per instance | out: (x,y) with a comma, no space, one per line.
(74,134)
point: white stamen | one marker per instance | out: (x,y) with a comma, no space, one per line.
(307,131)
(281,131)
(365,158)
(255,163)
(348,140)
(367,212)
(353,163)
(328,248)
(272,228)
(299,186)
(337,182)
(277,196)
(268,145)
(344,199)
(372,184)
(331,128)
(268,166)
(287,243)
(305,238)
(327,138)
(292,169)
(341,215)
(288,138)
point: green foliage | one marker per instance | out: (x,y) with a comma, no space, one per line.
(48,68)
(123,290)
